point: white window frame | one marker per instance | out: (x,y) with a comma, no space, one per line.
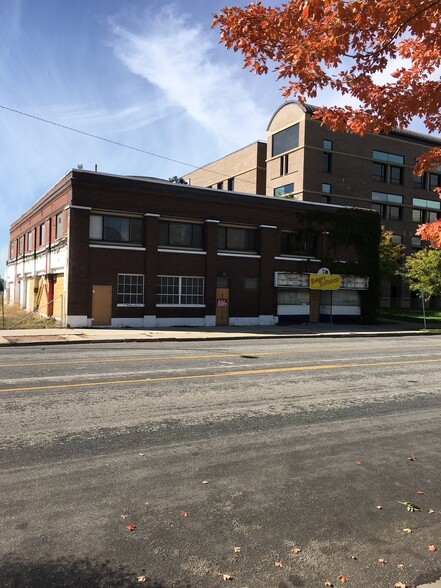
(179,294)
(137,294)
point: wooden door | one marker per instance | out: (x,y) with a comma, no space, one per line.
(222,307)
(314,308)
(101,306)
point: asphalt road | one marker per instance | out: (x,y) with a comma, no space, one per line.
(264,461)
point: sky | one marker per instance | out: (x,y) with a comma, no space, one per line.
(146,73)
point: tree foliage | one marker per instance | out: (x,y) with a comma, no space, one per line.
(350,46)
(422,272)
(391,255)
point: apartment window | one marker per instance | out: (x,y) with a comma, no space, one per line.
(21,245)
(388,212)
(388,157)
(231,184)
(326,200)
(418,216)
(178,234)
(11,251)
(384,197)
(284,190)
(29,243)
(395,175)
(326,188)
(416,242)
(291,296)
(42,234)
(116,229)
(424,216)
(379,172)
(237,239)
(220,185)
(130,290)
(419,182)
(59,226)
(327,144)
(429,204)
(326,162)
(285,140)
(434,181)
(284,160)
(297,243)
(180,291)
(397,239)
(251,283)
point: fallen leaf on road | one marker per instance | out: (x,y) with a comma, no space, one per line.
(410,506)
(277,564)
(382,561)
(342,579)
(184,513)
(123,516)
(421,493)
(400,585)
(236,549)
(141,579)
(430,510)
(353,556)
(131,527)
(432,548)
(407,530)
(329,585)
(226,576)
(379,507)
(358,462)
(205,482)
(141,454)
(400,566)
(411,458)
(296,550)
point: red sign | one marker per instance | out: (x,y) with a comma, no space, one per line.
(222,302)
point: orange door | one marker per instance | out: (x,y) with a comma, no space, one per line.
(101,306)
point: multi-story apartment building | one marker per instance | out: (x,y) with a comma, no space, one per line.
(306,161)
(100,249)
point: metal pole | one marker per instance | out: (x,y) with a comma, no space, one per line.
(424,307)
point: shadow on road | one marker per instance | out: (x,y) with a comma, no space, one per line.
(66,573)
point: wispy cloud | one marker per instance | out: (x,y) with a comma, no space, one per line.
(179,57)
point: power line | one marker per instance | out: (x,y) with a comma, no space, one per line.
(55,124)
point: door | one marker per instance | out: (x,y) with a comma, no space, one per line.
(314,306)
(101,306)
(222,307)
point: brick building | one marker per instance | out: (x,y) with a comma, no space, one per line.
(101,250)
(308,162)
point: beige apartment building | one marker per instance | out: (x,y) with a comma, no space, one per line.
(304,160)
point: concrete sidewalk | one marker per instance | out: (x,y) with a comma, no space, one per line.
(109,335)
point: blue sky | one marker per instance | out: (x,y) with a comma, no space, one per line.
(145,73)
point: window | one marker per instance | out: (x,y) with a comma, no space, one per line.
(388,157)
(326,200)
(383,197)
(250,284)
(416,242)
(116,229)
(42,235)
(59,226)
(419,181)
(180,291)
(379,172)
(237,239)
(394,213)
(284,190)
(326,188)
(418,216)
(11,250)
(231,184)
(396,239)
(298,243)
(220,185)
(291,296)
(430,204)
(434,181)
(284,160)
(327,144)
(326,163)
(177,234)
(130,290)
(21,245)
(285,140)
(29,243)
(388,212)
(395,175)
(424,216)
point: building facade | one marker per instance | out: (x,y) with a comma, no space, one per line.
(106,250)
(306,161)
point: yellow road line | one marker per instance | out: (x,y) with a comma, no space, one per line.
(220,375)
(214,356)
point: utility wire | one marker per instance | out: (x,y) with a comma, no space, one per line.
(55,124)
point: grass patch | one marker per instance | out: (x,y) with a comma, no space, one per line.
(17,318)
(411,315)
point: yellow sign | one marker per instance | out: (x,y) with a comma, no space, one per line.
(324,281)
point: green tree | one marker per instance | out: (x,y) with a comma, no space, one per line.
(422,272)
(391,256)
